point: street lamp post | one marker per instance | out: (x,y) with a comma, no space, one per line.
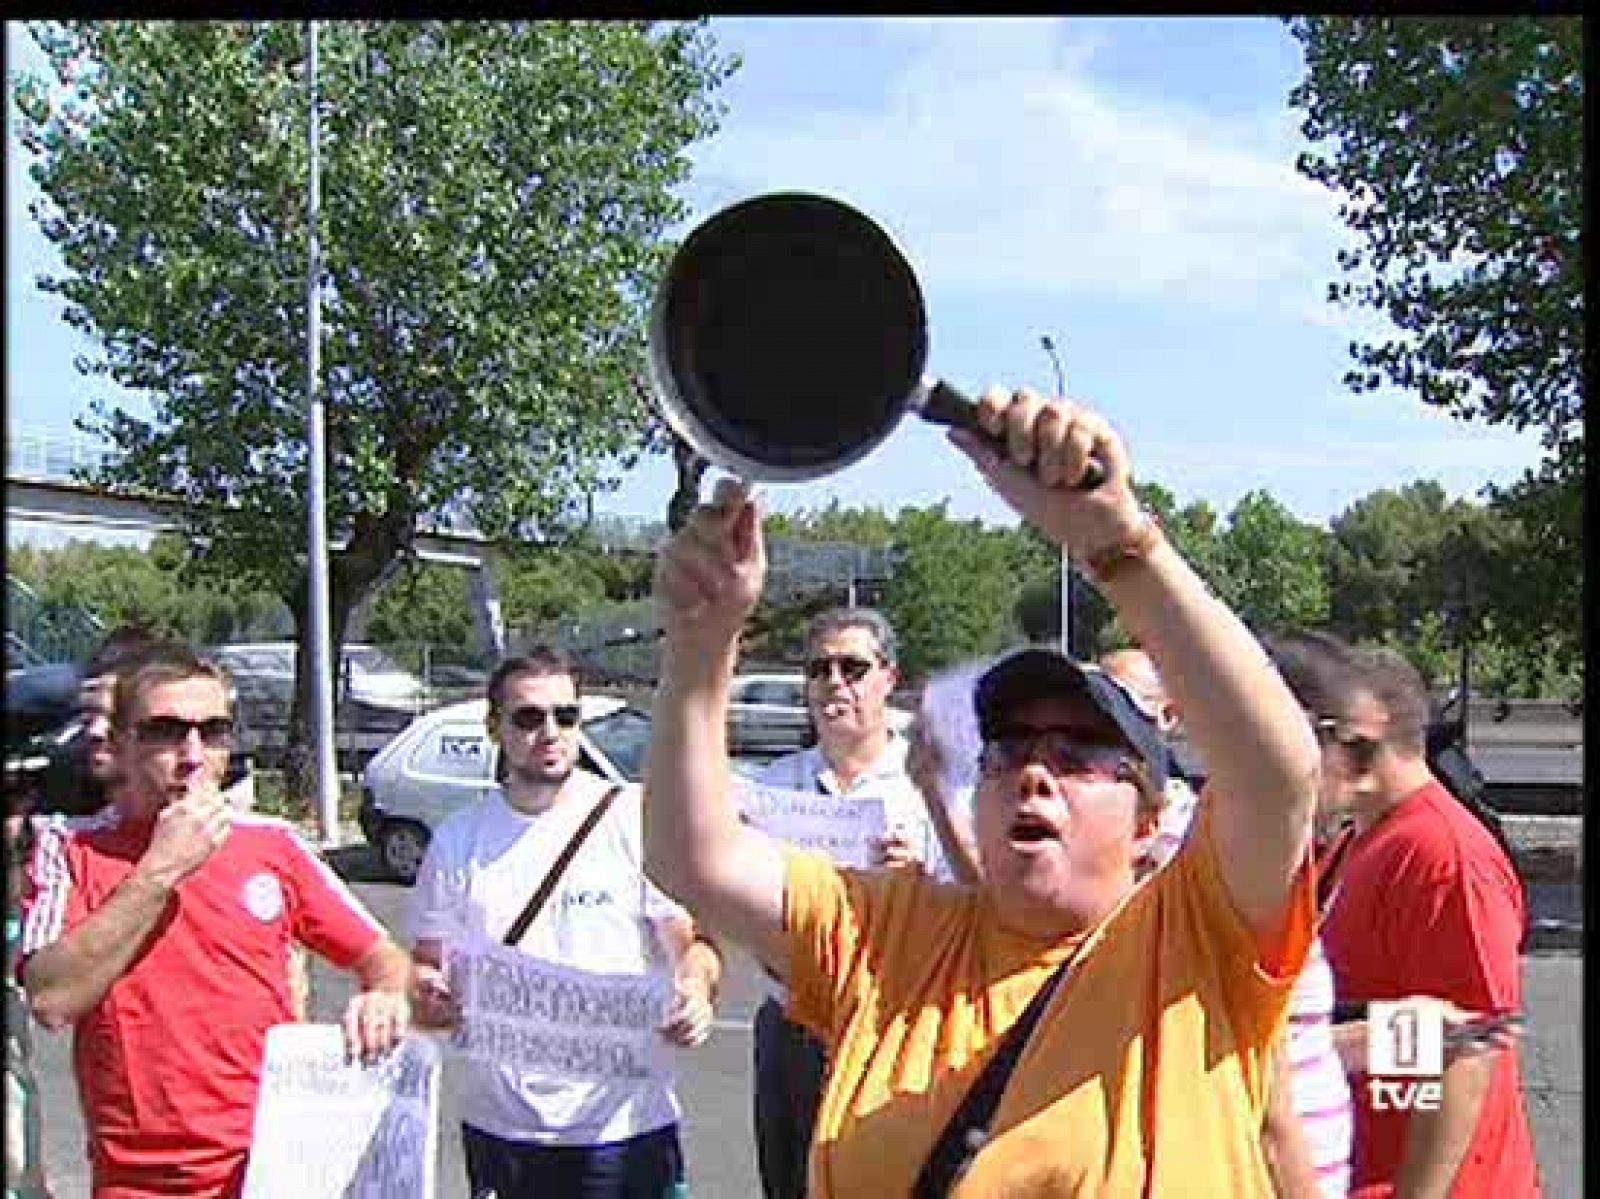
(318,616)
(1049,345)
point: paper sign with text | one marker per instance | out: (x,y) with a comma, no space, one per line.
(542,1017)
(326,1128)
(847,830)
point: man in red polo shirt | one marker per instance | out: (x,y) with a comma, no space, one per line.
(160,929)
(1426,902)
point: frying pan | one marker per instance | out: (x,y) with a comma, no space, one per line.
(788,337)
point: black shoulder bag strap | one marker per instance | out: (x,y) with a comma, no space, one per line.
(968,1129)
(557,868)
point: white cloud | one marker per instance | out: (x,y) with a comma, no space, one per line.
(1000,164)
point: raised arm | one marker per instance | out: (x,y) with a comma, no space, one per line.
(729,874)
(1240,717)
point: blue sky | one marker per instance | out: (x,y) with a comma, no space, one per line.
(1125,186)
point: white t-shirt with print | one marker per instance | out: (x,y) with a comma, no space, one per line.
(481,868)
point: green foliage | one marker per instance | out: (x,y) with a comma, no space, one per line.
(495,197)
(1273,566)
(539,586)
(1457,147)
(157,589)
(951,596)
(425,604)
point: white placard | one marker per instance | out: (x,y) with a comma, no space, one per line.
(847,830)
(541,1017)
(326,1128)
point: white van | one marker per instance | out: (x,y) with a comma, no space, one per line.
(444,760)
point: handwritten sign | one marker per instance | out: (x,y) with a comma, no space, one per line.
(847,830)
(326,1128)
(542,1017)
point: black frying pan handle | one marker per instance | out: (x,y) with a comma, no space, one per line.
(947,406)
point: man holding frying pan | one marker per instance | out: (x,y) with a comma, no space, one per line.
(1142,1067)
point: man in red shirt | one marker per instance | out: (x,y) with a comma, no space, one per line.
(1425,903)
(160,930)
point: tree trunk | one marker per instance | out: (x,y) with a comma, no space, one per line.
(375,551)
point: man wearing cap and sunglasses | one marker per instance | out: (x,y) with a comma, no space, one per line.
(1059,1028)
(850,669)
(160,929)
(556,831)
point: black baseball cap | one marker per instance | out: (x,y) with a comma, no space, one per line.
(1039,673)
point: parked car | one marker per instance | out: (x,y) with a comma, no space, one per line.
(264,672)
(444,761)
(375,698)
(767,714)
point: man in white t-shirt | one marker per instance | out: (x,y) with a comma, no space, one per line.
(528,1134)
(850,674)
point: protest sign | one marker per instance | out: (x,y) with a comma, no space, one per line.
(543,1017)
(327,1128)
(847,830)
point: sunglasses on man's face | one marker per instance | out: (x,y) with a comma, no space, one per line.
(169,732)
(1059,751)
(1362,750)
(531,718)
(851,667)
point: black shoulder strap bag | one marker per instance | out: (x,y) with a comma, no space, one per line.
(519,926)
(968,1130)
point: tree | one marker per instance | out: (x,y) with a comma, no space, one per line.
(1457,145)
(951,596)
(494,201)
(153,588)
(1274,565)
(1383,562)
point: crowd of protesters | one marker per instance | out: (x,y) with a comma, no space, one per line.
(1077,966)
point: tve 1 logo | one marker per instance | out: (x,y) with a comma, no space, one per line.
(1405,1056)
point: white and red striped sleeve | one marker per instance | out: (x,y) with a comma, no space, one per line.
(52,902)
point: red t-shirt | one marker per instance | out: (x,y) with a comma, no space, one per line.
(1428,904)
(169,1062)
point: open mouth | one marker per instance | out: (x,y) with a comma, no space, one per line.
(1028,829)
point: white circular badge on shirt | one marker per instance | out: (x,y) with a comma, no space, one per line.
(263,897)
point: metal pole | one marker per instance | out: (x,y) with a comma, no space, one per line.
(1049,345)
(327,772)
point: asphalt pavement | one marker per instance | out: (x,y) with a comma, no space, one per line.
(715,1083)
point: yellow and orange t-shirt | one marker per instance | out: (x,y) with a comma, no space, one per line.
(1146,1074)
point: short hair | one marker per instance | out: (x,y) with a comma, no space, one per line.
(1318,668)
(120,647)
(834,620)
(155,664)
(539,660)
(1395,684)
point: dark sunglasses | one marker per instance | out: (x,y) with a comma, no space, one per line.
(1059,751)
(168,732)
(852,669)
(1363,751)
(531,717)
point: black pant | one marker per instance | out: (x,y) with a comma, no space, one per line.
(789,1067)
(649,1166)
